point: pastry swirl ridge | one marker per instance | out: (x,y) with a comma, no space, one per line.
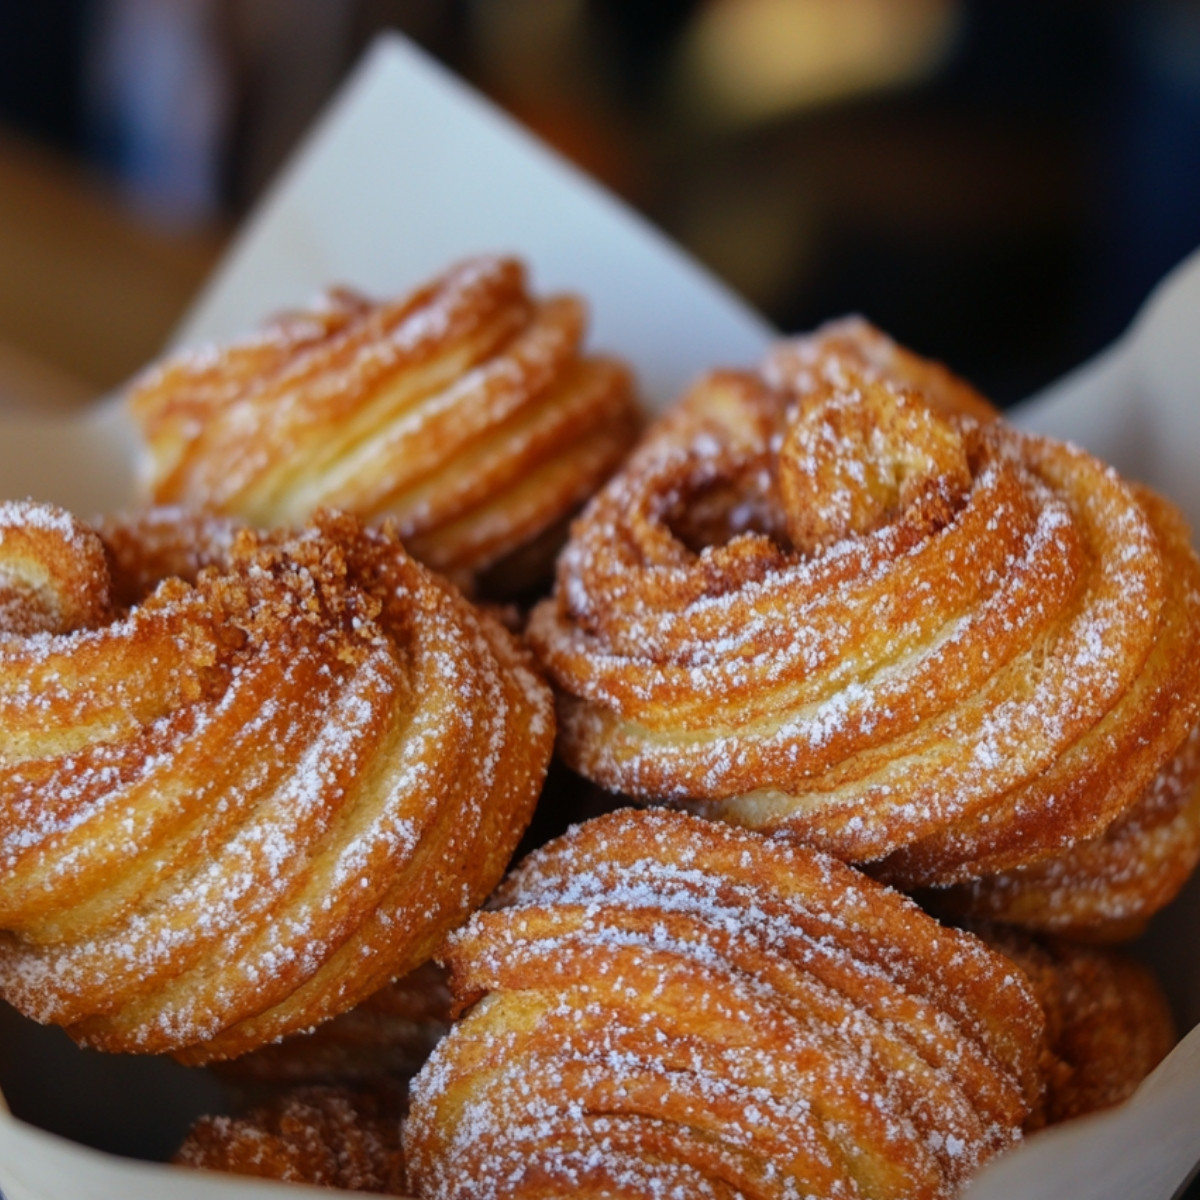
(466,412)
(1108,885)
(247,779)
(658,1002)
(851,611)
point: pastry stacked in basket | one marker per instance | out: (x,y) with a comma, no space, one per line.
(889,712)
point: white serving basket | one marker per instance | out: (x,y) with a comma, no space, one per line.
(406,172)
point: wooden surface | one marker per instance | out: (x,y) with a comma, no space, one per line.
(88,291)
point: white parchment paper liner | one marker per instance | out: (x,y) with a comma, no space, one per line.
(408,171)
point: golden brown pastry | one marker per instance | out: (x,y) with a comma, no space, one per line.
(1105,887)
(324,1136)
(247,779)
(466,412)
(1108,1024)
(662,1005)
(800,365)
(854,614)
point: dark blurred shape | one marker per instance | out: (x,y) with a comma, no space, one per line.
(999,183)
(286,57)
(952,211)
(42,48)
(159,96)
(639,39)
(1148,175)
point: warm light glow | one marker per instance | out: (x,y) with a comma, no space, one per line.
(746,60)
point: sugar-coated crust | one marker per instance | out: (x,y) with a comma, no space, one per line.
(1108,1024)
(849,611)
(659,1002)
(246,779)
(322,1136)
(1105,887)
(466,412)
(796,366)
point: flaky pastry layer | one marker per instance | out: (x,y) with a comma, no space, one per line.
(321,1136)
(1108,1024)
(387,1036)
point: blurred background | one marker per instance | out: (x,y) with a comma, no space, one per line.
(998,183)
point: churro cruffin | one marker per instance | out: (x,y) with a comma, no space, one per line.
(657,1005)
(247,779)
(829,601)
(467,412)
(1108,1024)
(323,1136)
